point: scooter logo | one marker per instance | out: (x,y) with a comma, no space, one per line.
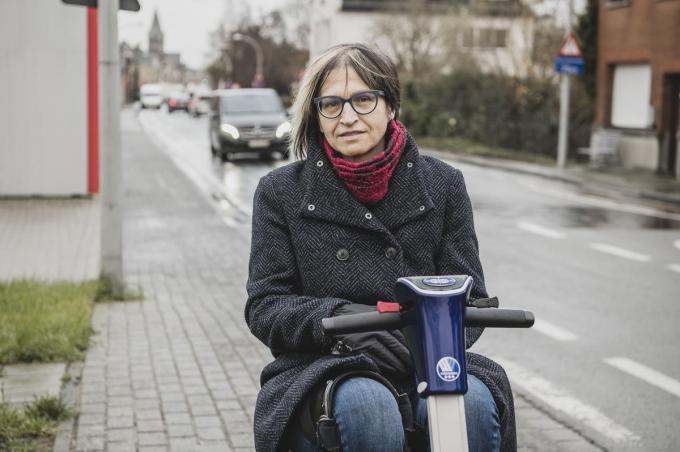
(439,282)
(448,369)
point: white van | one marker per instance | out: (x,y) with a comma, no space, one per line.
(150,95)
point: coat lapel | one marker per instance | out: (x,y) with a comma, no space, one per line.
(326,198)
(407,197)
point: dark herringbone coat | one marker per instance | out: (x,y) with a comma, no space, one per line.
(315,247)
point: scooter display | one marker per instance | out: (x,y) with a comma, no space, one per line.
(432,312)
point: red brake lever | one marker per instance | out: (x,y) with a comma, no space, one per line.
(387,306)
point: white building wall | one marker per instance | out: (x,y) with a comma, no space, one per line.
(330,26)
(513,59)
(43,118)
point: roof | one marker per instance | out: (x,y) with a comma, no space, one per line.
(156,26)
(507,8)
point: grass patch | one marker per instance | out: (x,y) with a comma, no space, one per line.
(33,428)
(44,322)
(107,291)
(467,147)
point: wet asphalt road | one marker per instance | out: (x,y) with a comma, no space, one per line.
(601,276)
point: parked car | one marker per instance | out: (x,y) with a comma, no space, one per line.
(249,120)
(150,95)
(199,104)
(178,100)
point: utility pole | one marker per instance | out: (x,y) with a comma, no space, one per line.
(110,146)
(563,133)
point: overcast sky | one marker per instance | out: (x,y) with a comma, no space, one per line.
(185,24)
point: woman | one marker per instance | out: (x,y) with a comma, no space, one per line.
(331,235)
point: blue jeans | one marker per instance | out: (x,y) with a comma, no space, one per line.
(358,401)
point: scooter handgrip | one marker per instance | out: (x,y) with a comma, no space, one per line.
(358,323)
(499,318)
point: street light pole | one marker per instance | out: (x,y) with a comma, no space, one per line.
(565,89)
(256,46)
(110,146)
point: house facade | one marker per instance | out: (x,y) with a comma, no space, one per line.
(496,35)
(638,80)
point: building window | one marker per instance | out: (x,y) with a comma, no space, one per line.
(492,37)
(468,37)
(618,3)
(631,95)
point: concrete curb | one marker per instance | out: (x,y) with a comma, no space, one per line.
(554,427)
(70,396)
(554,174)
(510,166)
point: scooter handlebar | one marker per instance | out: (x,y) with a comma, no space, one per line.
(359,323)
(498,318)
(474,317)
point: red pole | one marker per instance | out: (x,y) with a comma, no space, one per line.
(92,103)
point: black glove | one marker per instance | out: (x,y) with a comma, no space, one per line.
(386,348)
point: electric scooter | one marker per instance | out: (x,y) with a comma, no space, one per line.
(432,312)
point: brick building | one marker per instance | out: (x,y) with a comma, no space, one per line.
(638,80)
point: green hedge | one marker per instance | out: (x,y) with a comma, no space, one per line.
(499,111)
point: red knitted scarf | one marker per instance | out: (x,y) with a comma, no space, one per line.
(368,181)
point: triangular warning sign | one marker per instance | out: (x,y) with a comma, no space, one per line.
(569,47)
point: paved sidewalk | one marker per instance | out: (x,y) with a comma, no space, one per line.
(49,239)
(179,370)
(22,383)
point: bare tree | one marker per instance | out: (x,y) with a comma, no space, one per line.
(411,33)
(296,15)
(547,39)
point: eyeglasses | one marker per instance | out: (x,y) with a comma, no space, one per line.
(363,103)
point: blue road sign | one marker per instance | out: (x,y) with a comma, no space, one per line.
(569,65)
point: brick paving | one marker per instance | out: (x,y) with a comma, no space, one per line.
(178,371)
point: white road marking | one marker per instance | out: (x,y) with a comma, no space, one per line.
(677,244)
(560,400)
(620,252)
(540,230)
(553,331)
(647,374)
(596,201)
(674,267)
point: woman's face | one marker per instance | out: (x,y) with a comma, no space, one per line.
(357,137)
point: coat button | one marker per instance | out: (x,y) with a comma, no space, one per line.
(311,207)
(368,215)
(342,254)
(319,163)
(409,164)
(390,252)
(421,208)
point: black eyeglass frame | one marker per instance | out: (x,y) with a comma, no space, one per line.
(377,92)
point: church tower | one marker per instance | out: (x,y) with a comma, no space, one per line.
(156,38)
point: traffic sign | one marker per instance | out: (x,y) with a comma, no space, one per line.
(569,65)
(569,60)
(570,47)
